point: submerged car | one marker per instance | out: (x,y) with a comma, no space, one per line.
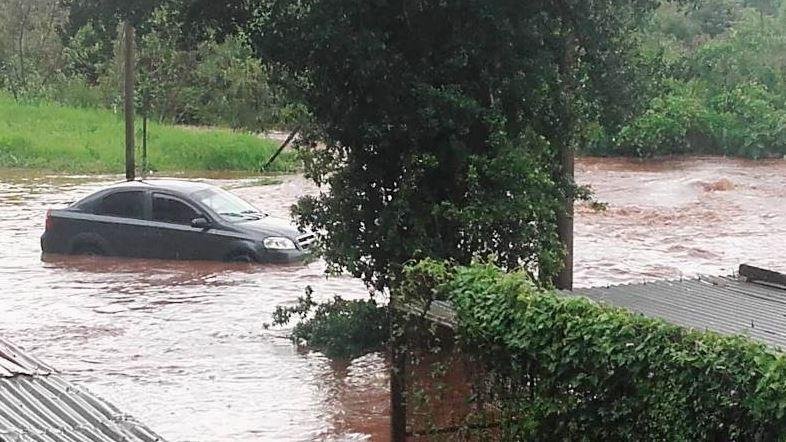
(172,219)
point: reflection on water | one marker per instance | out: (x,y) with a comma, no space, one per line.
(181,344)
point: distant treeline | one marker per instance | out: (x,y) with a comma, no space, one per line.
(710,75)
(714,76)
(189,70)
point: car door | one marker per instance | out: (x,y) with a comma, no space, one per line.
(172,216)
(119,224)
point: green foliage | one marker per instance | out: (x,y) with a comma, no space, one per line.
(575,370)
(56,137)
(745,120)
(666,126)
(85,54)
(441,121)
(211,77)
(750,121)
(231,87)
(339,328)
(213,84)
(200,19)
(721,88)
(30,50)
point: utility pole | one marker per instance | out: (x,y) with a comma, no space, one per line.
(144,144)
(128,93)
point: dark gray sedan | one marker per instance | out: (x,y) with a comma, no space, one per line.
(172,219)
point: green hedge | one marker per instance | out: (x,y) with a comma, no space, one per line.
(570,369)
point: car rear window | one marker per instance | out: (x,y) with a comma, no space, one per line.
(122,204)
(170,210)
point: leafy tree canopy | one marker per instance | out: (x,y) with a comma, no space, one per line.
(441,120)
(200,19)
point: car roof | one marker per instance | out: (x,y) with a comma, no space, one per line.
(179,186)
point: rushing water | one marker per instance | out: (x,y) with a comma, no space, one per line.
(181,345)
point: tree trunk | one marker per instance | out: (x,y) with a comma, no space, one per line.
(398,364)
(564,279)
(565,171)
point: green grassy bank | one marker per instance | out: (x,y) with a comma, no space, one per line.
(53,137)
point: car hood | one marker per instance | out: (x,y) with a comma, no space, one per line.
(271,226)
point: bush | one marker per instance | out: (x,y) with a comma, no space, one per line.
(339,328)
(75,92)
(666,126)
(693,118)
(750,121)
(564,368)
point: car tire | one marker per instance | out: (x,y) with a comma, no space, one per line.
(241,257)
(88,249)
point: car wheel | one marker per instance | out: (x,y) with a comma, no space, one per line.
(88,250)
(241,257)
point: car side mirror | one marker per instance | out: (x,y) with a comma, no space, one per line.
(200,223)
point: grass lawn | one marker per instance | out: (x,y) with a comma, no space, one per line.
(53,137)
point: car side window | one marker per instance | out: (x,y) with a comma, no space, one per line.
(170,210)
(123,205)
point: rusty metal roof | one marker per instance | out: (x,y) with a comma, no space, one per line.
(36,404)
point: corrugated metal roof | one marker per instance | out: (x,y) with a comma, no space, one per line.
(727,305)
(36,404)
(440,312)
(14,362)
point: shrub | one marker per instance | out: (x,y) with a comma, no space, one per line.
(75,92)
(565,368)
(339,328)
(750,121)
(666,126)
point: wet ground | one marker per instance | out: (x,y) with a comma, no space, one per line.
(182,346)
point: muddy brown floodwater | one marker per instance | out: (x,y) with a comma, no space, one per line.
(181,345)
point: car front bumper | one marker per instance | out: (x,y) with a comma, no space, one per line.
(281,256)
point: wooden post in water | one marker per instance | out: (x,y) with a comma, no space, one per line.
(128,94)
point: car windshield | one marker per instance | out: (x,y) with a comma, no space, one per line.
(227,205)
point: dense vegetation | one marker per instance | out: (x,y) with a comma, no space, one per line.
(701,76)
(715,80)
(442,122)
(569,369)
(68,139)
(192,68)
(60,62)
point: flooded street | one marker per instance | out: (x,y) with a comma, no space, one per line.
(182,347)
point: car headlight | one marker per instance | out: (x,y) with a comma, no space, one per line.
(279,243)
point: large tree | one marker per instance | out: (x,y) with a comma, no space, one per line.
(199,20)
(438,124)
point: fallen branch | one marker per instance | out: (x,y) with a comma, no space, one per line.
(280,149)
